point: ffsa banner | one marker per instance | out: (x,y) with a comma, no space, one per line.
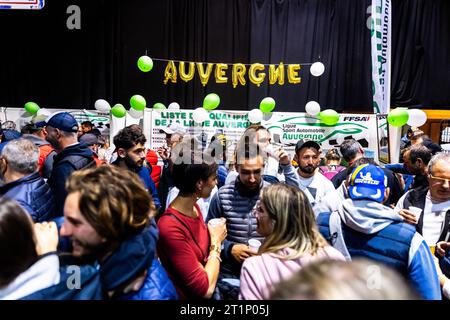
(381,55)
(286,129)
(291,127)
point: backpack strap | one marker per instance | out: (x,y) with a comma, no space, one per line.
(330,227)
(337,231)
(77,162)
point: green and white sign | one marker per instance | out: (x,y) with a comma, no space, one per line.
(286,128)
(291,127)
(232,124)
(381,55)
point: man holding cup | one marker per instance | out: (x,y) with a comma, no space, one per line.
(428,207)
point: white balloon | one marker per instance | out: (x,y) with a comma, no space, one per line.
(416,118)
(317,69)
(312,108)
(43,112)
(255,116)
(174,106)
(200,115)
(135,113)
(102,105)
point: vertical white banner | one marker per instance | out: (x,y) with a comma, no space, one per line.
(381,55)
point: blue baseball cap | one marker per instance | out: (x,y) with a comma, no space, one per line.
(39,121)
(63,121)
(367,181)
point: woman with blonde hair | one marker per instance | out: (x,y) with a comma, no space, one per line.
(286,219)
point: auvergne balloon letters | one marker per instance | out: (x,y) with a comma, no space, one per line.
(237,73)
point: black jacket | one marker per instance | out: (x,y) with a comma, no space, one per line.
(72,158)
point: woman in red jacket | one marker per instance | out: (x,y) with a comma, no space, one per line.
(190,250)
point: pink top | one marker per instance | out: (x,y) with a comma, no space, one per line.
(260,274)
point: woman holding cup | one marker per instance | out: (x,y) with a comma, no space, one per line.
(189,250)
(285,217)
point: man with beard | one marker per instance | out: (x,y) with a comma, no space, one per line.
(310,179)
(62,130)
(235,201)
(129,143)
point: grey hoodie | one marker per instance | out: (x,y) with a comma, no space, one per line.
(367,216)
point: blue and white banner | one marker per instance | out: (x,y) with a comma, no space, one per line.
(381,55)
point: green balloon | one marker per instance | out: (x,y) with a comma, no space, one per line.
(118,111)
(138,102)
(31,107)
(329,117)
(145,64)
(211,101)
(398,117)
(267,105)
(159,106)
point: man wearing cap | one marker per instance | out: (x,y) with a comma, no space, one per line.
(93,142)
(35,132)
(174,135)
(365,227)
(315,185)
(351,150)
(8,135)
(62,131)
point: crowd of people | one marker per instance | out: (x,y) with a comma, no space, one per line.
(80,220)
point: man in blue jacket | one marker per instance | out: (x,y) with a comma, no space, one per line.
(18,166)
(130,148)
(108,216)
(364,227)
(72,156)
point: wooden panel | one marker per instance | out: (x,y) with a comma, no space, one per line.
(437,114)
(432,126)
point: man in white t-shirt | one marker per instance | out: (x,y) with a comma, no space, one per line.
(311,180)
(433,221)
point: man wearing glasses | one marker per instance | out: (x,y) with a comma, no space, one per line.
(428,207)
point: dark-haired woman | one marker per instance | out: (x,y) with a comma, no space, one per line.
(190,250)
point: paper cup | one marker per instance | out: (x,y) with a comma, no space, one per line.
(215,222)
(254,244)
(416,211)
(270,150)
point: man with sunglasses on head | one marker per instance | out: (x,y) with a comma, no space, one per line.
(235,201)
(433,222)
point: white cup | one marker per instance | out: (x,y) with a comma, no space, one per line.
(215,222)
(416,211)
(254,244)
(271,151)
